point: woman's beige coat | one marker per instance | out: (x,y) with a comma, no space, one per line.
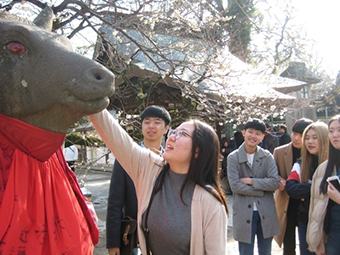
(317,209)
(208,215)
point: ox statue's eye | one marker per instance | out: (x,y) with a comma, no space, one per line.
(16,48)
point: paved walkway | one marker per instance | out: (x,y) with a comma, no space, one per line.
(233,245)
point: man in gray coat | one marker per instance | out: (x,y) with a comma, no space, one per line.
(253,178)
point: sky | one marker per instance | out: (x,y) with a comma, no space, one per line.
(321,20)
(314,20)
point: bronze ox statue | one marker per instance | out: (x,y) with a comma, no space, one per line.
(44,88)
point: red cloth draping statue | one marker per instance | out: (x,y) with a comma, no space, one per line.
(42,209)
(44,89)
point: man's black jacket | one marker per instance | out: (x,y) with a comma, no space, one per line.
(122,202)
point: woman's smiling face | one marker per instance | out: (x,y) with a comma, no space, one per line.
(178,151)
(334,134)
(311,142)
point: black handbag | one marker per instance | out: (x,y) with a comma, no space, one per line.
(129,236)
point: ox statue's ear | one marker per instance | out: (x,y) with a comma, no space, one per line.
(45,19)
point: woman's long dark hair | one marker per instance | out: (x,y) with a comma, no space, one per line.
(333,160)
(204,162)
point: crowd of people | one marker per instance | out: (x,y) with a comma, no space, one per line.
(278,181)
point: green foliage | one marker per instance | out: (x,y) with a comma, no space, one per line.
(240,26)
(82,121)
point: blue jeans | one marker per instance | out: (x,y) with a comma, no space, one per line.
(264,245)
(302,229)
(333,244)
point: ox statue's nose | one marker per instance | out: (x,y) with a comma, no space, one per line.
(99,74)
(101,77)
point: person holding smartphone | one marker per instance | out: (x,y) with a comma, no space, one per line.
(323,230)
(314,151)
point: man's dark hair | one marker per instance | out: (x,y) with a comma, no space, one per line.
(158,112)
(283,126)
(300,125)
(238,138)
(256,124)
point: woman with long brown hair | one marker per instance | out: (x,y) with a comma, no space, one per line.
(314,151)
(181,206)
(323,232)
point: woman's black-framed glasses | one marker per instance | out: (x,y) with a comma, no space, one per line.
(178,133)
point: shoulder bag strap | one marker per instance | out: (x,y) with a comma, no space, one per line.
(145,227)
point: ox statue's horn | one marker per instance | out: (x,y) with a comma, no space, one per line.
(45,19)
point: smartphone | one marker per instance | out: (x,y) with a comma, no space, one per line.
(335,181)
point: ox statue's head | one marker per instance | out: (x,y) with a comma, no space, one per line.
(44,83)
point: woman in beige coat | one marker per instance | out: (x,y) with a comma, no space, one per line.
(188,214)
(323,230)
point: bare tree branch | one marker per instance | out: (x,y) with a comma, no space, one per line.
(202,27)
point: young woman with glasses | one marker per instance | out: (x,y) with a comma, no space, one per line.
(188,213)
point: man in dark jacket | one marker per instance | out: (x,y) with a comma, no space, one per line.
(270,141)
(285,137)
(122,199)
